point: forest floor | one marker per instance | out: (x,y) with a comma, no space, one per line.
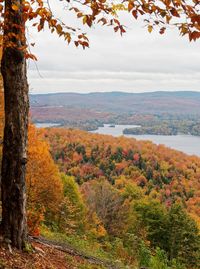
(45,254)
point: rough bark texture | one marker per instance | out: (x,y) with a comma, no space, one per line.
(13,67)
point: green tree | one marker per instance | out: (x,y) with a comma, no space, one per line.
(173,231)
(159,260)
(152,216)
(183,242)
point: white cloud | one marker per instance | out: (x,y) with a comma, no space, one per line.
(138,61)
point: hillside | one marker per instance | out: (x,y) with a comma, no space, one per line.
(45,254)
(145,197)
(164,173)
(115,201)
(171,112)
(120,102)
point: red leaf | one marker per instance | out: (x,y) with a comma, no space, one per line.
(174,12)
(116,28)
(134,13)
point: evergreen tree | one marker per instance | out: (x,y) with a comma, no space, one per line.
(153,216)
(183,241)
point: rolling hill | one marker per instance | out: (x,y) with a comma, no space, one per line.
(183,102)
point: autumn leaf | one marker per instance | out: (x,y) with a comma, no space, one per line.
(130,6)
(134,13)
(15,7)
(162,30)
(174,12)
(150,28)
(30,56)
(84,19)
(59,29)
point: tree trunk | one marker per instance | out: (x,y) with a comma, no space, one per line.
(13,67)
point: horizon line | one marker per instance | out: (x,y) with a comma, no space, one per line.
(123,92)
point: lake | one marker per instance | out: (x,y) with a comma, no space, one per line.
(186,143)
(46,125)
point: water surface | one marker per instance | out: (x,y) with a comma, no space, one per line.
(187,143)
(46,125)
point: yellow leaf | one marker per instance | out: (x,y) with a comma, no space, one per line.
(84,19)
(150,28)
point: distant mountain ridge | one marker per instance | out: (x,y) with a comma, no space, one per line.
(178,102)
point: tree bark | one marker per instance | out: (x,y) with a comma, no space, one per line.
(13,68)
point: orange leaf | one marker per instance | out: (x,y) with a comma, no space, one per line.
(1,8)
(130,6)
(15,7)
(59,28)
(79,15)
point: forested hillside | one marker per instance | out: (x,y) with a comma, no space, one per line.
(143,103)
(161,172)
(74,200)
(144,196)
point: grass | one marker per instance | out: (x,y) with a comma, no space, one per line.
(88,246)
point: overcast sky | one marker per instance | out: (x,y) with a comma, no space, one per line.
(136,62)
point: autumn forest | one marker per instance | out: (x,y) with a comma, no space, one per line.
(128,202)
(72,199)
